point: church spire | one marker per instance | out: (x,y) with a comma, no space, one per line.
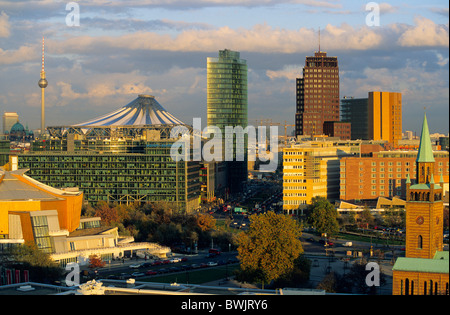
(425,153)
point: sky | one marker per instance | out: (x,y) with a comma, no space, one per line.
(124,48)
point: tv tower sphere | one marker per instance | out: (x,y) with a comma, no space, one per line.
(43,83)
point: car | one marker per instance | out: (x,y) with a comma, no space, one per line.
(137,274)
(195,266)
(156,263)
(175,260)
(203,265)
(135,266)
(184,259)
(151,273)
(165,262)
(211,264)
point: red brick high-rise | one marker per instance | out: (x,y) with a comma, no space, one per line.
(317,94)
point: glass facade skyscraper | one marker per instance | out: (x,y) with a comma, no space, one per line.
(227,106)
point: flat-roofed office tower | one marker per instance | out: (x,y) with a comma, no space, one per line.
(385,116)
(317,94)
(227,105)
(9,120)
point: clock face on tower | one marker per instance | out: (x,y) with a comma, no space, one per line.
(419,220)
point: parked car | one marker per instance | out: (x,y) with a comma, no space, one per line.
(137,274)
(214,251)
(211,264)
(135,266)
(186,267)
(151,273)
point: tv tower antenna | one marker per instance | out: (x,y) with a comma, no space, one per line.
(43,83)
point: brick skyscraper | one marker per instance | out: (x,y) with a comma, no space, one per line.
(317,94)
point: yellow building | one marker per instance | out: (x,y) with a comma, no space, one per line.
(311,169)
(385,116)
(28,207)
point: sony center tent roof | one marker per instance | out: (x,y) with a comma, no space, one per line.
(144,110)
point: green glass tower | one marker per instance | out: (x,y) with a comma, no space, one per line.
(227,106)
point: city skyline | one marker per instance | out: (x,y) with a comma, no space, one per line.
(125,48)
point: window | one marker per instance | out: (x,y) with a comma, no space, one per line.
(419,242)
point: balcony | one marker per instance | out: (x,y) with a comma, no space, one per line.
(58,233)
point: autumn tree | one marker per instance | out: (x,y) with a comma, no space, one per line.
(268,249)
(95,262)
(206,222)
(323,216)
(106,213)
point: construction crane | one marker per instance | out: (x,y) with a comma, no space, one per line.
(268,122)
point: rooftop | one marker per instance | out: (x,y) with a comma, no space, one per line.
(439,264)
(15,185)
(144,110)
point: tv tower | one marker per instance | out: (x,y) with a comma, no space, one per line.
(43,84)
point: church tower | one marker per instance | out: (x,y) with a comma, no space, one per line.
(424,204)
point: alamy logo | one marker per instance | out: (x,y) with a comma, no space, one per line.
(73,277)
(373,277)
(373,18)
(73,17)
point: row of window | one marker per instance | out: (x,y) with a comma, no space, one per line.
(407,287)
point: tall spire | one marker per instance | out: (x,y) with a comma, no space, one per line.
(43,83)
(43,45)
(425,153)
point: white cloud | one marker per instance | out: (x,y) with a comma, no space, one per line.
(441,60)
(289,72)
(4,25)
(387,8)
(425,33)
(24,53)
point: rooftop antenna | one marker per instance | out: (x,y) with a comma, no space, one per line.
(319,39)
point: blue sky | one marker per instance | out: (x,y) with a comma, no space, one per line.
(127,47)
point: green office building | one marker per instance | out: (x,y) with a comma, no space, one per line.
(124,157)
(227,105)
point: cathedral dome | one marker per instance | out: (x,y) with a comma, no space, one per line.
(17,127)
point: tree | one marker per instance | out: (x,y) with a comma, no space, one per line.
(366,217)
(206,222)
(323,216)
(96,262)
(268,249)
(29,257)
(106,213)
